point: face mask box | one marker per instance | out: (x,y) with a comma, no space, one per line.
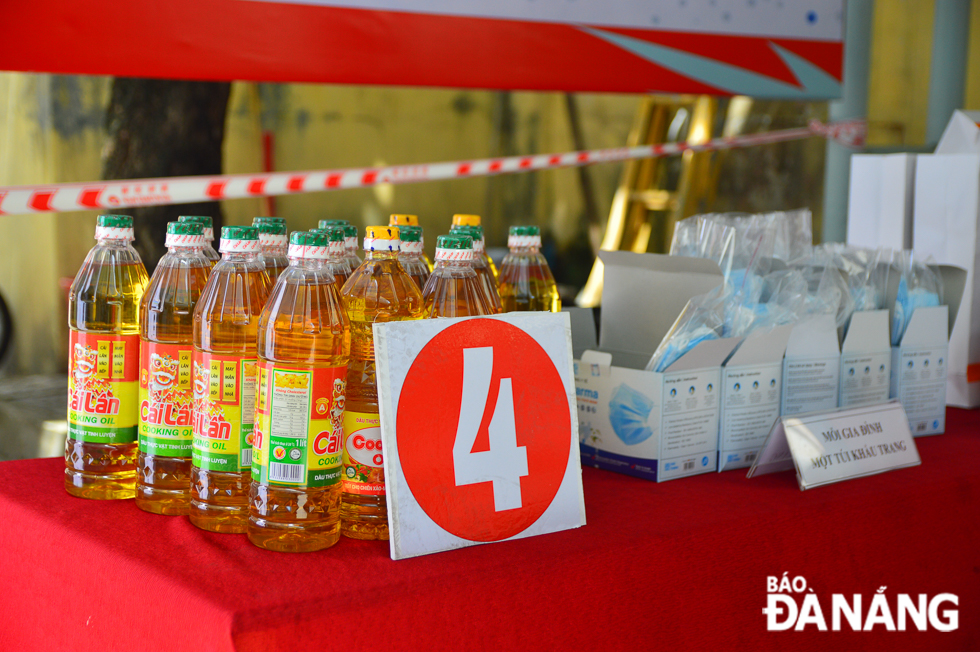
(865,360)
(811,367)
(751,388)
(920,365)
(657,426)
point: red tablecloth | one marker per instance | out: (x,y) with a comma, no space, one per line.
(678,565)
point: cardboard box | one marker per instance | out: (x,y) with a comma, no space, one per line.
(657,426)
(865,361)
(921,365)
(880,201)
(947,210)
(752,383)
(811,367)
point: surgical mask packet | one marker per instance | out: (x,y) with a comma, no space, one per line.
(629,410)
(920,285)
(701,320)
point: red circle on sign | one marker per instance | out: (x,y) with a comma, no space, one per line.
(428,416)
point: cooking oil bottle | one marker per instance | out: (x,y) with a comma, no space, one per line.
(304,345)
(411,255)
(413,221)
(273,243)
(350,240)
(526,282)
(484,271)
(225,329)
(336,260)
(460,219)
(378,291)
(165,379)
(208,225)
(103,373)
(454,290)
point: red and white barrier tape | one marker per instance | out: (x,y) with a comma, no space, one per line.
(113,195)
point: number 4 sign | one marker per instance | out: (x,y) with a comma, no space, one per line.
(479,429)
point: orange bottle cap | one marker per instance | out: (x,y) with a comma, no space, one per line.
(403,220)
(466,220)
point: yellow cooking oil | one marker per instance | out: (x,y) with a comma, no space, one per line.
(166,372)
(273,242)
(411,255)
(461,219)
(208,224)
(303,345)
(526,282)
(484,270)
(454,290)
(337,260)
(378,291)
(226,323)
(103,373)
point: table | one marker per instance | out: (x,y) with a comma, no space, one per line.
(679,565)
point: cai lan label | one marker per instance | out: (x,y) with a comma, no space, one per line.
(224,412)
(103,387)
(166,399)
(298,436)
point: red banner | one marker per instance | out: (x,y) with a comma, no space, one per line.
(587,45)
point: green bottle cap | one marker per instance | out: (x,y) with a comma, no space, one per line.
(200,219)
(256,221)
(272,228)
(115,221)
(410,233)
(454,242)
(313,238)
(524,230)
(185,228)
(325,223)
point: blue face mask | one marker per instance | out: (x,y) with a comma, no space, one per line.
(678,346)
(905,304)
(628,413)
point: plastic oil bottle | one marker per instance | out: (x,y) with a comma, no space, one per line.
(273,243)
(304,345)
(226,323)
(336,260)
(411,254)
(103,373)
(350,240)
(454,290)
(166,372)
(526,282)
(208,224)
(460,219)
(378,290)
(483,269)
(400,220)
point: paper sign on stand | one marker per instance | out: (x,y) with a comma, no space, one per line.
(654,425)
(840,445)
(478,424)
(865,361)
(811,368)
(752,383)
(880,200)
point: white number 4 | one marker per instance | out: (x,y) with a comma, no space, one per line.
(506,462)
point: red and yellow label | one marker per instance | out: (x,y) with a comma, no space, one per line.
(166,399)
(364,471)
(103,387)
(224,412)
(298,435)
